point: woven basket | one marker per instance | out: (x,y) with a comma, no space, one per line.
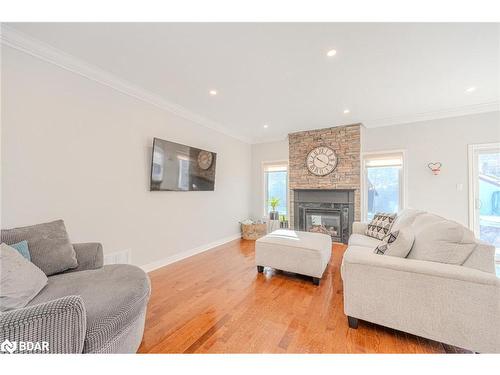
(253,231)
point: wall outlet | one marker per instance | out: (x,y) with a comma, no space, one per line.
(460,187)
(118,257)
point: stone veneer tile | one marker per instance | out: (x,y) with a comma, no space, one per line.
(346,142)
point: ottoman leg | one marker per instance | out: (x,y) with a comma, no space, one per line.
(316,280)
(260,269)
(353,322)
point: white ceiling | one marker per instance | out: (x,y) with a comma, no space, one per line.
(278,73)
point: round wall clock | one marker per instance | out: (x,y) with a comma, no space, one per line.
(321,160)
(205,159)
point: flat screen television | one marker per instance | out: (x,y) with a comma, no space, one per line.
(176,167)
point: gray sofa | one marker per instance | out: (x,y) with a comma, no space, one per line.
(458,304)
(88,309)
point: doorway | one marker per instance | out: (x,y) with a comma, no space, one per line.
(484,193)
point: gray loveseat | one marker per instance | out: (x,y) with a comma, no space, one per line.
(88,309)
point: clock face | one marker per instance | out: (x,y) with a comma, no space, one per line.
(321,160)
(205,159)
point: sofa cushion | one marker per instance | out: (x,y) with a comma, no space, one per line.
(49,245)
(380,226)
(443,241)
(397,243)
(114,297)
(20,280)
(362,240)
(405,217)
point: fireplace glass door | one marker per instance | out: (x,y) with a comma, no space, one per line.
(324,221)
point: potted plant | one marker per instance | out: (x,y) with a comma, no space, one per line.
(274,203)
(283,221)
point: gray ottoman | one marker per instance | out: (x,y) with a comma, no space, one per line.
(304,253)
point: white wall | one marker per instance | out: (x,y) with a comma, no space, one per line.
(78,150)
(443,140)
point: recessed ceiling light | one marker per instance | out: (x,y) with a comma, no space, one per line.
(331,53)
(213,92)
(266,126)
(346,111)
(470,89)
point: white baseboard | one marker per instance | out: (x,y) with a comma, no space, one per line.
(188,253)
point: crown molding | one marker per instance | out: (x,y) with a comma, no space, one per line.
(22,42)
(490,106)
(261,140)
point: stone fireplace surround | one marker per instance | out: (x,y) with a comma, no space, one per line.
(346,142)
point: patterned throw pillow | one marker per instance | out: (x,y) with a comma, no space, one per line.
(389,239)
(380,226)
(397,243)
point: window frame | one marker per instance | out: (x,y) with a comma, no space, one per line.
(264,166)
(403,192)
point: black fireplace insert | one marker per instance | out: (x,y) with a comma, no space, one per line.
(325,211)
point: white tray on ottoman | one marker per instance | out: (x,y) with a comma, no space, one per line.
(304,253)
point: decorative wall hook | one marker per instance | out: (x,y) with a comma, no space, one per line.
(435,167)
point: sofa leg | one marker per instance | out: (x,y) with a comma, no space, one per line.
(353,322)
(260,269)
(316,280)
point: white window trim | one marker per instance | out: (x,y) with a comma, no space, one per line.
(404,180)
(264,187)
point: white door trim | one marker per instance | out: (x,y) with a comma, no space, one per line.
(473,181)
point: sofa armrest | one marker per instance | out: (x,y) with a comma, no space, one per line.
(359,227)
(57,326)
(89,256)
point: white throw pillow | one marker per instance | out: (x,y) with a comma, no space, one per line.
(442,241)
(424,220)
(397,243)
(405,217)
(20,280)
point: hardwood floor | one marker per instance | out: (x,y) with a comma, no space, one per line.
(216,302)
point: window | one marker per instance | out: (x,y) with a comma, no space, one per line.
(183,173)
(383,183)
(276,186)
